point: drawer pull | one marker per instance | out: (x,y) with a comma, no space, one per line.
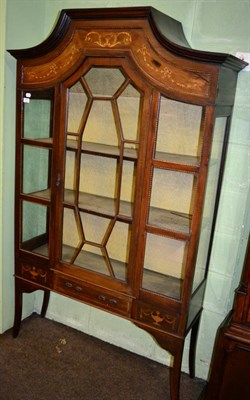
(101,297)
(68,284)
(78,288)
(113,302)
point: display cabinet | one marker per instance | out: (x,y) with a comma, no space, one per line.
(230,368)
(122,131)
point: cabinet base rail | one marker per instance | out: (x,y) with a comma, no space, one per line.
(172,344)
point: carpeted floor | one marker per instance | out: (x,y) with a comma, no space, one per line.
(50,361)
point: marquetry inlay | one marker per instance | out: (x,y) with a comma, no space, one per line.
(50,70)
(170,73)
(158,318)
(34,273)
(109,39)
(173,75)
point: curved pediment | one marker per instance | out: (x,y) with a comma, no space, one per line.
(155,42)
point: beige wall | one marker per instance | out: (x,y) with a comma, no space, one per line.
(210,25)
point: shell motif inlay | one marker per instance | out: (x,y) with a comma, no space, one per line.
(109,39)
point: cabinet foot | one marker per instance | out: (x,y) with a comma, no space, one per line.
(175,375)
(18,309)
(46,297)
(192,349)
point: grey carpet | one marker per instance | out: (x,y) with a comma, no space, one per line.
(50,361)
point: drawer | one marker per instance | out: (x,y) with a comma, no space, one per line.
(157,317)
(102,298)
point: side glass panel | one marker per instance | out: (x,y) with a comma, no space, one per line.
(36,166)
(173,187)
(164,265)
(35,228)
(36,171)
(208,208)
(179,135)
(171,202)
(38,108)
(100,170)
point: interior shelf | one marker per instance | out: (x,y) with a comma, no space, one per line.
(105,206)
(45,142)
(170,220)
(104,150)
(95,262)
(183,161)
(99,205)
(177,161)
(163,284)
(154,281)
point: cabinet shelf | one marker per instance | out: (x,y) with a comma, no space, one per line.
(163,284)
(103,150)
(171,220)
(154,281)
(95,262)
(46,142)
(161,219)
(40,197)
(99,205)
(176,162)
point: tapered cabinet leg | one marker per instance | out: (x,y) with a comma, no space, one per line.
(18,308)
(46,297)
(175,375)
(174,345)
(192,349)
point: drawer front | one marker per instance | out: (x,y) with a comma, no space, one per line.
(157,317)
(94,295)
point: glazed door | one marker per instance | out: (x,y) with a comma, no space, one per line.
(102,145)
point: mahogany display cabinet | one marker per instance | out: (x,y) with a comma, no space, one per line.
(230,368)
(122,131)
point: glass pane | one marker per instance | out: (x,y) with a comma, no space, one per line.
(118,246)
(171,202)
(164,265)
(95,243)
(104,81)
(76,105)
(208,208)
(72,235)
(101,127)
(94,180)
(35,228)
(129,109)
(179,129)
(37,117)
(36,171)
(127,188)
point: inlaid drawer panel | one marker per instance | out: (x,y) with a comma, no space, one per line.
(94,295)
(157,317)
(33,273)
